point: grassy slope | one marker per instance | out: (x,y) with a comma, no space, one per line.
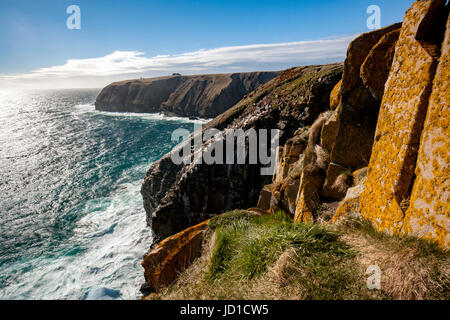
(269,257)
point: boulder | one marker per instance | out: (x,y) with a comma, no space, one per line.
(308,197)
(329,132)
(350,206)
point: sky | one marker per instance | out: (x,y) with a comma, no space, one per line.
(120,40)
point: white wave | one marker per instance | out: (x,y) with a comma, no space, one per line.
(115,237)
(90,108)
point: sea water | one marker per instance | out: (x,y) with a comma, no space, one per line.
(72,222)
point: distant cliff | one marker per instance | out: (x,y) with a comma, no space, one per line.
(204,96)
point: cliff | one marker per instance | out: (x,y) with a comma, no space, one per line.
(204,96)
(365,143)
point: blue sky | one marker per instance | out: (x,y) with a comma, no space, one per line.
(34,37)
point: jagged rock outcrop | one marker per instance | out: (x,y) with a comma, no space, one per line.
(376,67)
(172,256)
(408,176)
(178,196)
(204,96)
(286,179)
(358,111)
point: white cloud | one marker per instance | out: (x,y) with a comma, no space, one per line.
(126,64)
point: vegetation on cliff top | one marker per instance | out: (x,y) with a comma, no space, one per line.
(270,257)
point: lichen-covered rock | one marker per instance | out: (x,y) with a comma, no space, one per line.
(178,196)
(172,256)
(359,175)
(350,206)
(358,110)
(402,115)
(308,197)
(376,67)
(335,96)
(429,212)
(204,96)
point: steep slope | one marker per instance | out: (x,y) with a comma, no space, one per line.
(179,196)
(204,96)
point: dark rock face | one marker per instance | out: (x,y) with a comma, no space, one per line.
(358,112)
(204,96)
(179,196)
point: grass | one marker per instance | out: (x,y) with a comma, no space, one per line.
(248,246)
(270,257)
(412,268)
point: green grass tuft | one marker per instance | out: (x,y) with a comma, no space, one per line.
(250,245)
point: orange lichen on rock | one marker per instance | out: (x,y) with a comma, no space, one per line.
(173,255)
(429,212)
(350,206)
(402,114)
(335,96)
(308,197)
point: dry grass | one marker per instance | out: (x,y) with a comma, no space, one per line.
(315,157)
(412,269)
(322,157)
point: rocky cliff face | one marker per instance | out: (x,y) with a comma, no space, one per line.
(412,160)
(178,196)
(204,96)
(388,136)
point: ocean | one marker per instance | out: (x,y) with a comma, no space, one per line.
(72,220)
